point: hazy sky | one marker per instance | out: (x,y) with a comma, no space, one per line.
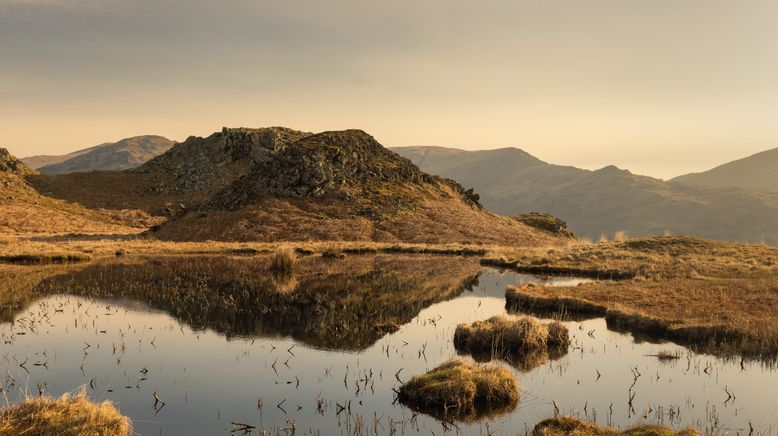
(661,87)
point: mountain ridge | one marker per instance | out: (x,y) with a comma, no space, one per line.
(604,201)
(109,156)
(758,172)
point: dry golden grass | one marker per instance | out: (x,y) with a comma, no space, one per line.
(462,390)
(68,415)
(431,216)
(24,210)
(717,297)
(107,245)
(568,426)
(283,260)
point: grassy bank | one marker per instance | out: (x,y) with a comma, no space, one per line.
(715,297)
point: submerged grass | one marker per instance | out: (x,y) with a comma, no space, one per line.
(68,415)
(462,390)
(569,426)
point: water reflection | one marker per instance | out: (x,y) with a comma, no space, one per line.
(344,305)
(325,357)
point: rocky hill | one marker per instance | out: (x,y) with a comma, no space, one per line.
(11,166)
(187,174)
(338,186)
(758,173)
(24,210)
(124,154)
(606,201)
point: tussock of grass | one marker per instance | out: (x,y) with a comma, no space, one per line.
(525,342)
(519,335)
(68,415)
(462,390)
(283,260)
(566,426)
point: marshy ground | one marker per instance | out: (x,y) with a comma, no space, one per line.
(220,338)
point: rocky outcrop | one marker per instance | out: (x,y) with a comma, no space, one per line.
(341,185)
(11,165)
(207,164)
(546,222)
(321,164)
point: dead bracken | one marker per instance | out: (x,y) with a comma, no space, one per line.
(512,339)
(462,390)
(68,415)
(564,426)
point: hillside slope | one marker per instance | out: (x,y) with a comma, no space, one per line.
(758,173)
(24,210)
(121,155)
(345,186)
(605,201)
(39,161)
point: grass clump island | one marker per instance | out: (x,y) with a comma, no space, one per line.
(283,261)
(525,342)
(68,415)
(566,426)
(460,390)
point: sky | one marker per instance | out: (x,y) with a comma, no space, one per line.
(661,87)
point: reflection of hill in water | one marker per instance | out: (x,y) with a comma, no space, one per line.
(343,304)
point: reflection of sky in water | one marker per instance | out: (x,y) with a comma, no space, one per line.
(208,381)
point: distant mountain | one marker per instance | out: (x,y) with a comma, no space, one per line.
(603,202)
(331,186)
(125,154)
(758,172)
(39,161)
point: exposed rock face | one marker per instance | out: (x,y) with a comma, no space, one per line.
(11,165)
(319,165)
(547,222)
(206,164)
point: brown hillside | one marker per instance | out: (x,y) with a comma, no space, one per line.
(345,186)
(24,210)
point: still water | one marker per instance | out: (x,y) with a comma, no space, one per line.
(330,367)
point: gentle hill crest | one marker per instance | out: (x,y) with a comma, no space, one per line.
(110,156)
(758,172)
